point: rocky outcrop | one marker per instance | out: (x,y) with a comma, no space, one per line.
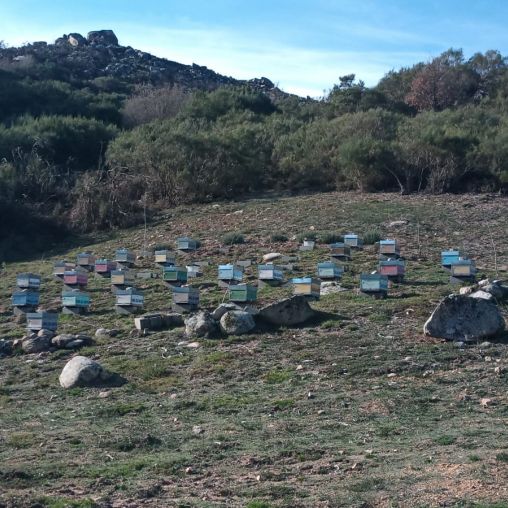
(237,322)
(289,312)
(462,318)
(105,37)
(158,321)
(201,324)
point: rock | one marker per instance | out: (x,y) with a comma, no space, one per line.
(271,256)
(60,341)
(36,343)
(201,325)
(6,347)
(158,321)
(82,371)
(197,430)
(483,282)
(222,309)
(497,290)
(106,37)
(467,290)
(76,39)
(46,333)
(192,345)
(71,341)
(237,322)
(104,332)
(330,287)
(397,223)
(288,312)
(482,295)
(75,344)
(486,402)
(461,318)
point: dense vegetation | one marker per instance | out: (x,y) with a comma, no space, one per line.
(97,153)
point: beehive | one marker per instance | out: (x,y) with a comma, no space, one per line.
(129,297)
(352,240)
(230,273)
(243,293)
(448,257)
(340,250)
(164,257)
(25,298)
(86,260)
(36,321)
(174,274)
(463,268)
(186,244)
(307,286)
(393,268)
(125,257)
(61,267)
(270,272)
(194,271)
(389,248)
(75,299)
(104,266)
(28,281)
(76,277)
(308,245)
(374,283)
(122,277)
(186,296)
(329,270)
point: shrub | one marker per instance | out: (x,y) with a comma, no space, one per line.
(371,237)
(309,235)
(233,239)
(278,237)
(328,238)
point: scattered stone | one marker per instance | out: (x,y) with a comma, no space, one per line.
(271,256)
(105,394)
(483,295)
(237,322)
(392,374)
(330,287)
(6,347)
(158,321)
(192,345)
(82,371)
(461,318)
(486,402)
(36,343)
(197,430)
(222,309)
(397,223)
(46,333)
(76,39)
(288,312)
(497,290)
(201,325)
(467,290)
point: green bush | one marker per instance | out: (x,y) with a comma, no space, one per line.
(309,235)
(278,237)
(233,239)
(371,237)
(328,238)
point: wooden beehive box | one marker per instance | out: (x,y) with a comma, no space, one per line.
(130,297)
(36,321)
(186,244)
(174,274)
(25,298)
(308,245)
(75,278)
(230,273)
(28,281)
(122,277)
(243,293)
(86,260)
(270,272)
(393,268)
(61,267)
(374,283)
(194,271)
(75,299)
(448,257)
(104,266)
(389,248)
(340,250)
(329,270)
(463,268)
(307,286)
(125,257)
(164,257)
(352,240)
(186,295)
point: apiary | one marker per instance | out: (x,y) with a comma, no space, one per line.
(75,302)
(174,275)
(25,300)
(340,250)
(77,278)
(165,257)
(352,240)
(308,245)
(389,248)
(122,278)
(194,271)
(28,281)
(448,257)
(61,267)
(229,274)
(86,260)
(104,267)
(186,244)
(36,321)
(374,284)
(129,301)
(243,293)
(125,257)
(462,270)
(394,269)
(329,270)
(185,298)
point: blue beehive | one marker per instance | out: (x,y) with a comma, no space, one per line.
(448,257)
(129,297)
(329,270)
(186,244)
(36,321)
(374,283)
(25,298)
(28,281)
(270,272)
(463,268)
(75,299)
(352,240)
(230,273)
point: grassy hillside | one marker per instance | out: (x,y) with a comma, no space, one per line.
(356,409)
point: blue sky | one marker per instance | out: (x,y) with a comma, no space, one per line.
(301,45)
